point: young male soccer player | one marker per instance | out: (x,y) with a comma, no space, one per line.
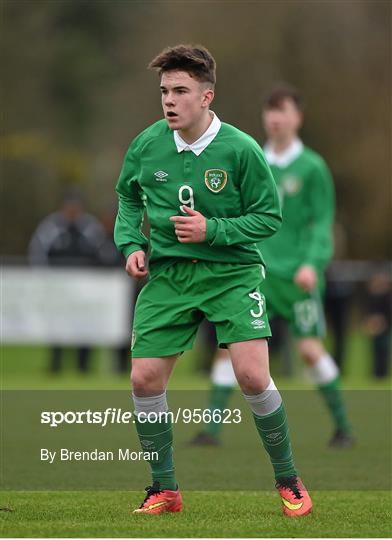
(296,258)
(209,196)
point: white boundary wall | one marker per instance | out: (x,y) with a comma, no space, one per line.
(65,306)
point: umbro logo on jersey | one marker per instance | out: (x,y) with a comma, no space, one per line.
(160,176)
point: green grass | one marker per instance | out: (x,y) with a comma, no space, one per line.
(206,514)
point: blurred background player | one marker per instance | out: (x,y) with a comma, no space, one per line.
(68,237)
(296,258)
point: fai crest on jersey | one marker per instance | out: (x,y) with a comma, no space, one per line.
(215,179)
(291,185)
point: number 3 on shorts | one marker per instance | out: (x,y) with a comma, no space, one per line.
(185,196)
(260,301)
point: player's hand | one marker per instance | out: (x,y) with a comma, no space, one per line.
(136,265)
(191,228)
(306,278)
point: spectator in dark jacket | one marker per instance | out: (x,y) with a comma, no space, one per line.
(68,237)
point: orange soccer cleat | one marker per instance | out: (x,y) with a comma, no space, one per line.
(158,501)
(295,498)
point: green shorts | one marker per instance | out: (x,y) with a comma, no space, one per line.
(172,305)
(303,310)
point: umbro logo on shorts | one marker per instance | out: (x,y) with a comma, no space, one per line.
(160,176)
(258,323)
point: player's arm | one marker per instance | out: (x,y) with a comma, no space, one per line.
(322,204)
(261,209)
(319,241)
(128,236)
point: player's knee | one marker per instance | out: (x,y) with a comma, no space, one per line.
(252,383)
(311,349)
(145,380)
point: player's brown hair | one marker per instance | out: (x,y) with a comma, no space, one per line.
(275,98)
(194,59)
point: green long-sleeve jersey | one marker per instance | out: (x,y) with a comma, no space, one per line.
(307,197)
(229,183)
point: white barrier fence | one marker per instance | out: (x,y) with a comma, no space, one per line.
(65,306)
(87,306)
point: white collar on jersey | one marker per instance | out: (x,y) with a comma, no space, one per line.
(283,159)
(202,142)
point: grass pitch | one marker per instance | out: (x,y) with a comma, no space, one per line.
(206,514)
(250,514)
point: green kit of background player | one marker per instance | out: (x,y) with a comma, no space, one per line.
(210,197)
(295,258)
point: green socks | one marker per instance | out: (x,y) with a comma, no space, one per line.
(157,437)
(274,433)
(325,374)
(333,398)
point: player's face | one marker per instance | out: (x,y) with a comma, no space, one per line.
(184,99)
(283,122)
